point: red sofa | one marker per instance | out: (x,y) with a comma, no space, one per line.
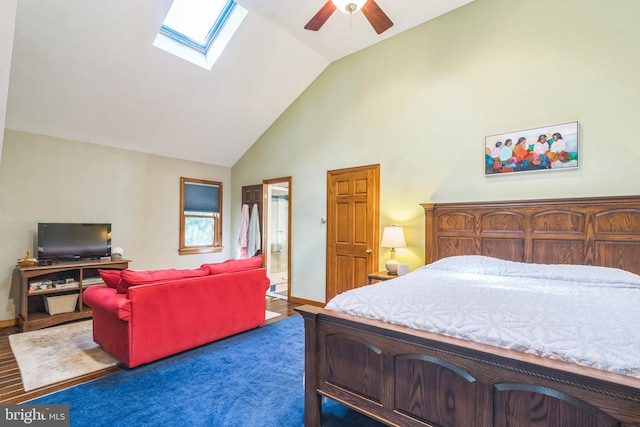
(160,318)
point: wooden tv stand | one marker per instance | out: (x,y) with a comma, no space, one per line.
(32,309)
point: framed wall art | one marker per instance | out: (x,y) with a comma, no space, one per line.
(539,149)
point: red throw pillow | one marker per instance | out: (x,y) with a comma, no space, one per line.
(111,278)
(144,277)
(233,265)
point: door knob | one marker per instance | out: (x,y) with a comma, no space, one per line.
(368,251)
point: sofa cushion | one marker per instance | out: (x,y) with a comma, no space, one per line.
(144,277)
(233,265)
(111,278)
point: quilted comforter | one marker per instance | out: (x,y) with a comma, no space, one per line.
(585,315)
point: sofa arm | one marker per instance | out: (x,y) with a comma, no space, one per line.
(108,300)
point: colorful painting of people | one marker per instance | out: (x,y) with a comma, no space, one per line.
(554,147)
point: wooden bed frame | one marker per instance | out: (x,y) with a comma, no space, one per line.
(405,377)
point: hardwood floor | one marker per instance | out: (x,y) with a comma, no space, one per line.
(12,390)
(282,306)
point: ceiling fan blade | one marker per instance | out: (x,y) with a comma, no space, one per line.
(321,17)
(376,17)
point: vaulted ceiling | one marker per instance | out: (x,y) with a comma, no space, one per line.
(87,71)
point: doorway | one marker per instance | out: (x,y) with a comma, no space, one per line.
(276,235)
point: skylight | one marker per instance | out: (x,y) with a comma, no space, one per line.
(199,30)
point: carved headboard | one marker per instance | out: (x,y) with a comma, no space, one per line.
(591,231)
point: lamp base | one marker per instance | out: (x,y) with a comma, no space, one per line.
(392,266)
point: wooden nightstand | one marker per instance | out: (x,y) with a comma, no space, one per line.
(381,276)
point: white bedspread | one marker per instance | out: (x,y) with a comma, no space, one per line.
(585,315)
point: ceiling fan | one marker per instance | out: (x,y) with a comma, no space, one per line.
(370,9)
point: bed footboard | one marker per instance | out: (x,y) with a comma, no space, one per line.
(405,377)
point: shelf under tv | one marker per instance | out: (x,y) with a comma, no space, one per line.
(32,311)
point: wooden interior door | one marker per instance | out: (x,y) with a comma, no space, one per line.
(252,195)
(353,205)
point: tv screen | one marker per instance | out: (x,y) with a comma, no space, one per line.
(71,241)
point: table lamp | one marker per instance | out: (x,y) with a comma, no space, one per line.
(116,254)
(393,237)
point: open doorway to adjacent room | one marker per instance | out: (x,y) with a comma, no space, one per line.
(276,235)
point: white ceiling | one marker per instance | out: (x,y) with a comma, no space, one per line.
(87,71)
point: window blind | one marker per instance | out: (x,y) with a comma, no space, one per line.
(201,198)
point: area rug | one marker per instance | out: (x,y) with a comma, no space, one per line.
(50,355)
(253,379)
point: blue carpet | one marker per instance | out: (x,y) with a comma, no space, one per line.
(252,379)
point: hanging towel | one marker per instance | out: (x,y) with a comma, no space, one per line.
(243,237)
(254,232)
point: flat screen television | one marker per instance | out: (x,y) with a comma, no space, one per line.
(73,241)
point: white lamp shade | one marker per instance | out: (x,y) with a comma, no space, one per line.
(393,237)
(116,253)
(348,6)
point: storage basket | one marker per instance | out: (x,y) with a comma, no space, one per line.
(61,304)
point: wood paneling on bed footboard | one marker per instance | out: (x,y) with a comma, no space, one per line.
(405,377)
(601,231)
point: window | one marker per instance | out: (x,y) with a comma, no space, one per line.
(199,30)
(200,216)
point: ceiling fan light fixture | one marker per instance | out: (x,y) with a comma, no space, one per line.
(349,6)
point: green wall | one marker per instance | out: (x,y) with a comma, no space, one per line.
(421,103)
(46,179)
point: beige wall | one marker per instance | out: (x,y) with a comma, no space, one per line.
(7,25)
(44,179)
(420,104)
